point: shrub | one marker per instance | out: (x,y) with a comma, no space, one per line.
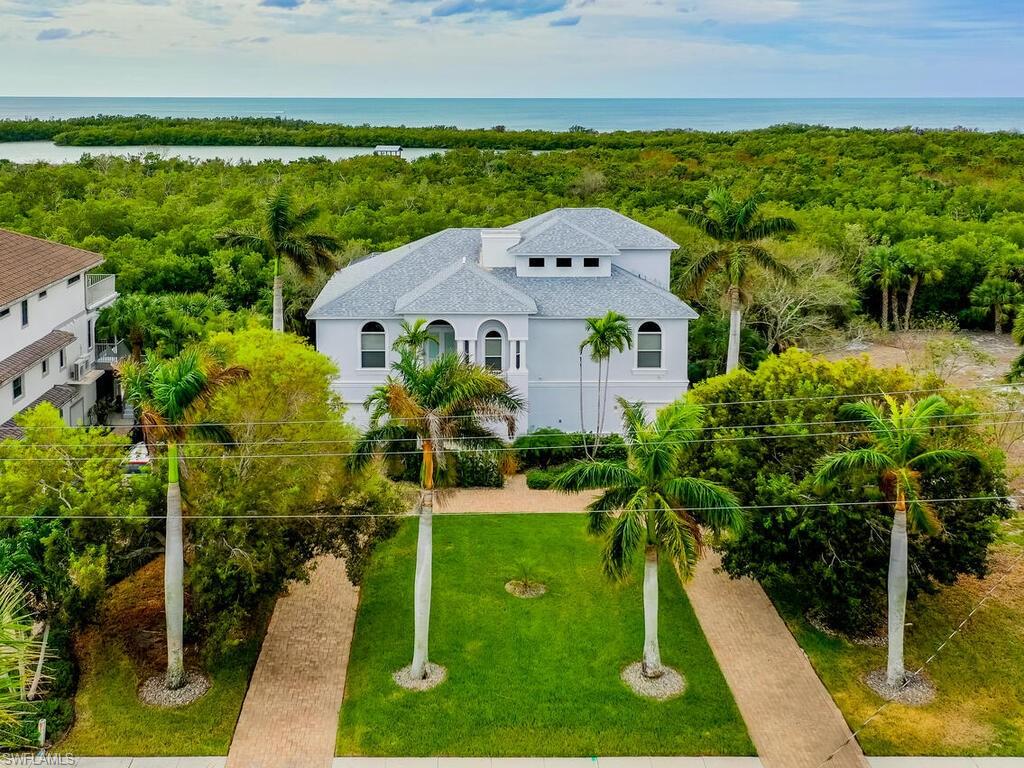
(834,557)
(478,469)
(547,447)
(541,479)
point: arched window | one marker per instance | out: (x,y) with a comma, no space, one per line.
(493,353)
(648,346)
(442,340)
(373,346)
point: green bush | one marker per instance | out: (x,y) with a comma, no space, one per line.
(835,555)
(478,469)
(541,479)
(548,447)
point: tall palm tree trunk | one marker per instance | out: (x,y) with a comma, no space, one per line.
(885,306)
(895,296)
(652,651)
(895,672)
(998,328)
(732,358)
(174,574)
(911,291)
(278,301)
(583,426)
(424,564)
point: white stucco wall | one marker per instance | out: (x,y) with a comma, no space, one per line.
(548,377)
(652,265)
(63,308)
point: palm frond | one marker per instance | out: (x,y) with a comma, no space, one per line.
(713,505)
(830,468)
(588,475)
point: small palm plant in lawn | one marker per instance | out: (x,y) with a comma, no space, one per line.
(896,454)
(445,405)
(605,335)
(169,397)
(645,505)
(285,232)
(740,233)
(20,655)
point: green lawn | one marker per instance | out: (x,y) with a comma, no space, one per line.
(979,675)
(124,648)
(110,719)
(526,677)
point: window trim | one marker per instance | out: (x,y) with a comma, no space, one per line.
(18,382)
(5,312)
(44,367)
(493,335)
(660,333)
(62,359)
(24,313)
(560,262)
(42,294)
(363,333)
(591,262)
(73,279)
(536,262)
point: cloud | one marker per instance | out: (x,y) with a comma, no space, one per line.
(565,21)
(63,33)
(286,4)
(258,40)
(517,9)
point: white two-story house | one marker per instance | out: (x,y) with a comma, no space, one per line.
(49,302)
(515,299)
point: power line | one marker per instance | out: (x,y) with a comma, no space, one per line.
(706,428)
(499,449)
(500,513)
(913,676)
(1016,387)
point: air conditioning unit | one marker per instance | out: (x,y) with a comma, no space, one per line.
(78,369)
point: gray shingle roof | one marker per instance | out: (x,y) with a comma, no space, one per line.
(604,223)
(465,288)
(440,274)
(557,237)
(588,296)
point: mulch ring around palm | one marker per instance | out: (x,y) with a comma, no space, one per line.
(917,691)
(668,685)
(525,589)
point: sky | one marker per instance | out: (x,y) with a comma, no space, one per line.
(506,48)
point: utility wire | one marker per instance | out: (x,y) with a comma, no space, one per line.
(500,449)
(1011,386)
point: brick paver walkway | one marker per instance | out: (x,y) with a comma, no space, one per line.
(290,715)
(791,718)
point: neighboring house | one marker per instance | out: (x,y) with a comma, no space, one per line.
(48,307)
(515,299)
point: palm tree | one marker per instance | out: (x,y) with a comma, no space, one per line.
(285,232)
(135,318)
(605,335)
(414,336)
(885,266)
(20,654)
(646,505)
(896,455)
(443,404)
(169,397)
(996,297)
(739,232)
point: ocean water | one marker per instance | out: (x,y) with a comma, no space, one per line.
(985,114)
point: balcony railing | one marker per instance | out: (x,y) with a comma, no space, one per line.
(108,353)
(99,290)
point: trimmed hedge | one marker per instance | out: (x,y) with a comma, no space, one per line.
(549,447)
(541,479)
(478,470)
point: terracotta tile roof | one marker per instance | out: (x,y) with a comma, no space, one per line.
(25,358)
(58,396)
(30,263)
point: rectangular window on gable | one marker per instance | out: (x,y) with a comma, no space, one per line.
(5,311)
(46,365)
(536,261)
(590,262)
(18,387)
(24,313)
(74,279)
(42,295)
(563,262)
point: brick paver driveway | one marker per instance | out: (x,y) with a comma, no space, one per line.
(791,718)
(290,715)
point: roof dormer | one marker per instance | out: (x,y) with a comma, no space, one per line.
(495,245)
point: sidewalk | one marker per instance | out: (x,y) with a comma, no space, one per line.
(548,762)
